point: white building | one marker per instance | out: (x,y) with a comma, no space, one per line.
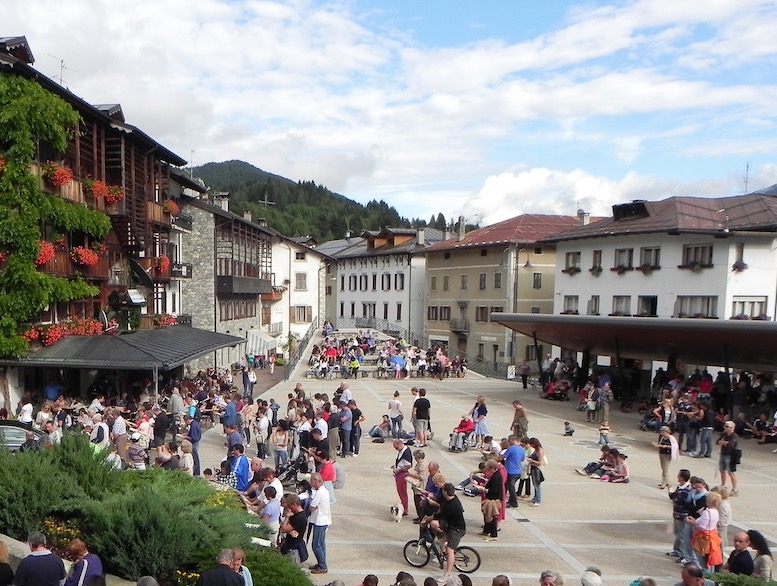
(682,257)
(380,279)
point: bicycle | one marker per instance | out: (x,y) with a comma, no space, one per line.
(418,553)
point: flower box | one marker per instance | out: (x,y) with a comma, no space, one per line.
(56,174)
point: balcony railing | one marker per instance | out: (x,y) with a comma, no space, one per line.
(183,222)
(156,213)
(181,270)
(275,328)
(459,325)
(73,191)
(184,319)
(275,295)
(234,285)
(61,265)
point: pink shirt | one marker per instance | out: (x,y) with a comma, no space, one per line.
(708,520)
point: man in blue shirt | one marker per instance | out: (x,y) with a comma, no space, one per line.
(345,416)
(194,435)
(513,457)
(241,467)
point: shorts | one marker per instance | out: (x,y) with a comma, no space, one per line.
(724,464)
(421,425)
(454,537)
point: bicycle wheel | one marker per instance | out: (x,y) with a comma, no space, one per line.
(417,553)
(467,560)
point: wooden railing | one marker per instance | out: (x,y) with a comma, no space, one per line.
(157,214)
(61,265)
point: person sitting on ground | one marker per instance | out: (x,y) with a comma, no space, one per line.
(621,471)
(568,429)
(382,429)
(606,458)
(460,433)
(490,446)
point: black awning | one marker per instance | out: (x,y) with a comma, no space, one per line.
(163,348)
(139,273)
(740,344)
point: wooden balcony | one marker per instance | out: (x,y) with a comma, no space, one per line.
(156,214)
(272,297)
(61,265)
(149,265)
(73,191)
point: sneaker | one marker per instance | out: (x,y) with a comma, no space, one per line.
(355,455)
(691,454)
(683,561)
(319,570)
(734,493)
(490,539)
(533,504)
(443,579)
(580,472)
(596,476)
(673,554)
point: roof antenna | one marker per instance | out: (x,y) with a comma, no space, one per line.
(747,176)
(62,66)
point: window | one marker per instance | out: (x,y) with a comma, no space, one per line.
(300,281)
(696,306)
(647,305)
(445,283)
(482,281)
(385,281)
(572,260)
(571,304)
(650,257)
(365,310)
(399,282)
(374,281)
(621,305)
(433,284)
(431,312)
(481,313)
(353,309)
(363,282)
(328,290)
(352,283)
(748,306)
(399,311)
(698,255)
(342,309)
(445,313)
(301,314)
(597,258)
(484,252)
(536,281)
(299,256)
(624,257)
(342,282)
(447,255)
(538,250)
(481,349)
(497,280)
(385,310)
(464,282)
(593,305)
(267,316)
(495,309)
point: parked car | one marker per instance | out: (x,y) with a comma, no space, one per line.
(13,434)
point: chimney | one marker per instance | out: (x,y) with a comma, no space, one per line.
(221,199)
(420,237)
(461,228)
(347,234)
(583,217)
(261,222)
(247,215)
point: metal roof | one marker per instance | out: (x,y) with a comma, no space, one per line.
(163,348)
(740,344)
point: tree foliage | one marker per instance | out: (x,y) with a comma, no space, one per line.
(30,115)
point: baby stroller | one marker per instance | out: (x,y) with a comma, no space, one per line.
(649,422)
(296,463)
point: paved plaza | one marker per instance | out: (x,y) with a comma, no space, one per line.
(622,528)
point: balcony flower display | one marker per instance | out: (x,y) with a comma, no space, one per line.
(115,194)
(96,188)
(59,241)
(171,207)
(56,174)
(99,248)
(51,334)
(595,270)
(45,252)
(164,319)
(81,255)
(162,262)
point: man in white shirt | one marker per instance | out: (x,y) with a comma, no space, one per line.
(100,435)
(320,424)
(53,432)
(96,405)
(320,518)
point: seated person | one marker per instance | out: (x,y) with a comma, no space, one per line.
(607,461)
(383,429)
(759,428)
(466,484)
(460,432)
(742,427)
(490,446)
(382,367)
(620,473)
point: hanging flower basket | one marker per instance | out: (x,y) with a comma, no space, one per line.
(115,194)
(96,188)
(162,262)
(571,270)
(82,255)
(99,248)
(45,252)
(171,207)
(56,174)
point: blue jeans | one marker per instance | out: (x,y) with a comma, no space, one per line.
(319,545)
(345,441)
(693,434)
(537,488)
(396,427)
(682,533)
(705,445)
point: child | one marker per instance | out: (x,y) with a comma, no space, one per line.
(604,433)
(620,473)
(568,429)
(724,514)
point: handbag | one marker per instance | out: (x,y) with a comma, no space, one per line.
(591,405)
(701,542)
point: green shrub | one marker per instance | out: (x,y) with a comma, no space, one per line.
(269,568)
(739,580)
(88,468)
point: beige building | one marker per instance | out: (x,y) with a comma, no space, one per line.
(501,267)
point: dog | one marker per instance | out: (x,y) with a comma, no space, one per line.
(396,512)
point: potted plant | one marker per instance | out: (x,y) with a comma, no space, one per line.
(740,316)
(571,270)
(739,266)
(171,207)
(620,269)
(645,268)
(56,174)
(692,265)
(115,193)
(595,270)
(81,255)
(162,262)
(96,188)
(164,319)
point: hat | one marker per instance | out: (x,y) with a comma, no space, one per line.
(135,437)
(665,428)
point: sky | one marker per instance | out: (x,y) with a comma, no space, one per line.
(481,109)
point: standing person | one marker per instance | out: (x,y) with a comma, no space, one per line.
(261,430)
(724,513)
(400,469)
(520,425)
(395,415)
(681,547)
(280,444)
(86,565)
(345,417)
(293,530)
(421,413)
(6,572)
(525,370)
(321,519)
(240,569)
(705,542)
(194,435)
(607,397)
(547,370)
(161,425)
(479,415)
(418,476)
(119,434)
(536,461)
(513,461)
(41,567)
(241,467)
(739,561)
(668,450)
(730,455)
(356,426)
(449,521)
(493,492)
(223,574)
(604,433)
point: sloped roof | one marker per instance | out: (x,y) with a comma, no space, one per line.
(18,47)
(526,228)
(705,215)
(359,246)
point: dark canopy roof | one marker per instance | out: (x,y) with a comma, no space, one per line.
(164,348)
(741,344)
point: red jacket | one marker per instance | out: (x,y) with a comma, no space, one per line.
(465,426)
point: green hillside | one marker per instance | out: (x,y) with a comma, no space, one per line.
(300,209)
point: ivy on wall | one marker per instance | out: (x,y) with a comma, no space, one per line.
(29,115)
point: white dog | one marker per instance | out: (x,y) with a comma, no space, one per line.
(396,512)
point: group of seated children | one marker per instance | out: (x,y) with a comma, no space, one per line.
(610,467)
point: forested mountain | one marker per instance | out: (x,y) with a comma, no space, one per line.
(302,208)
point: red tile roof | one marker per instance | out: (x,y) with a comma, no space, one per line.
(524,229)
